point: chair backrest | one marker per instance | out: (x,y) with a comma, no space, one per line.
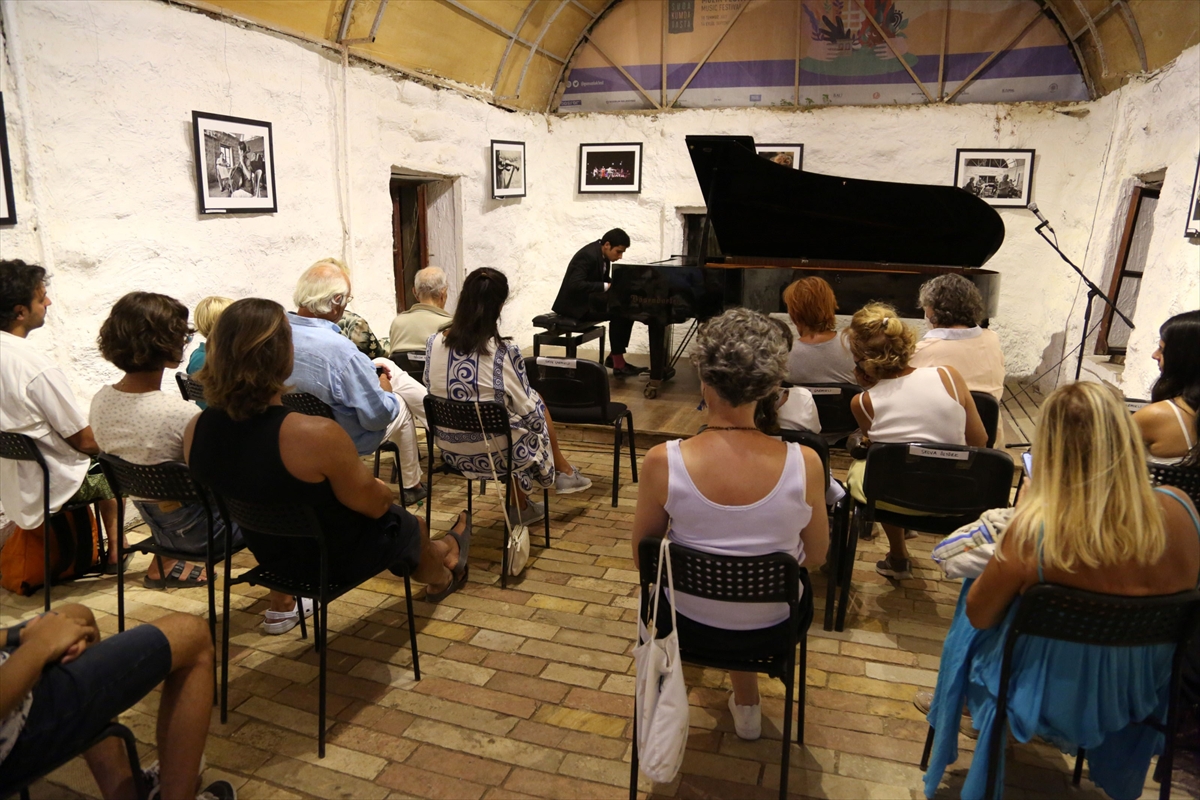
(19,447)
(308,404)
(189,388)
(772,578)
(1076,615)
(1134,404)
(809,439)
(274,519)
(412,362)
(989,413)
(833,406)
(938,478)
(170,480)
(460,415)
(1185,478)
(569,382)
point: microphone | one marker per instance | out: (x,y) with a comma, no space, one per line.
(1041,217)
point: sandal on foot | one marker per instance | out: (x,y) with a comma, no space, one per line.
(113,569)
(175,580)
(458,575)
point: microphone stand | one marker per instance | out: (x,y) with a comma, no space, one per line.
(1094,291)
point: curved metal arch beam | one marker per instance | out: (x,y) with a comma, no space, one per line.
(1072,41)
(511,40)
(538,43)
(1096,42)
(579,40)
(1135,33)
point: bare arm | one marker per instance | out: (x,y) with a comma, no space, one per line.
(993,591)
(45,640)
(650,518)
(957,387)
(314,449)
(84,441)
(815,535)
(860,414)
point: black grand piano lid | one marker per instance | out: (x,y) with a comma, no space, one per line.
(760,208)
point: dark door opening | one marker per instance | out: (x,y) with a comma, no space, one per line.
(1127,273)
(410,240)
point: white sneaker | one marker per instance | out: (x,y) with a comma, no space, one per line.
(571,482)
(747,720)
(277,622)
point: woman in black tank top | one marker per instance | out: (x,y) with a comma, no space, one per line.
(239,445)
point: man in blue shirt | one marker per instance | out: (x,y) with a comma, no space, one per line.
(369,406)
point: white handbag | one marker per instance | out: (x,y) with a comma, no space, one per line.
(661,705)
(518,535)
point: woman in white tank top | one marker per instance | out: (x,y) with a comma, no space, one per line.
(903,404)
(1169,424)
(732,490)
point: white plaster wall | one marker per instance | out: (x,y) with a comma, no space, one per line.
(109,90)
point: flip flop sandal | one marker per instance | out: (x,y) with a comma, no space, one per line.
(111,569)
(174,579)
(458,576)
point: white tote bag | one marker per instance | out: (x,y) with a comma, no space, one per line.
(518,535)
(661,704)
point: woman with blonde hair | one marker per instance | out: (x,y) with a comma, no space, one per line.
(901,404)
(1090,520)
(208,311)
(818,355)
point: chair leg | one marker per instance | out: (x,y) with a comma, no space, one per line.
(377,472)
(632,448)
(1078,776)
(846,568)
(140,789)
(788,700)
(225,640)
(412,627)
(322,632)
(121,573)
(616,482)
(801,683)
(928,749)
(507,494)
(481,485)
(832,561)
(303,624)
(633,761)
(546,519)
(47,532)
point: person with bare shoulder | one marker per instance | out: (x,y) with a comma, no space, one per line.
(248,445)
(735,491)
(1169,426)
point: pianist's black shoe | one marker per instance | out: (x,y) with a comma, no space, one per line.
(628,371)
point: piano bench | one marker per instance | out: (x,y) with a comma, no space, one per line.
(565,332)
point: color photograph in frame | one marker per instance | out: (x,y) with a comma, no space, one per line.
(235,164)
(786,155)
(610,168)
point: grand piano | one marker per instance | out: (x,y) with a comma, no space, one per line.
(871,240)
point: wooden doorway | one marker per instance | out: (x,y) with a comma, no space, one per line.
(1126,280)
(410,238)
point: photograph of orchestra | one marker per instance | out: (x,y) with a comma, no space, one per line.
(610,167)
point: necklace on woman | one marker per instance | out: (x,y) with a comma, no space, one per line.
(728,428)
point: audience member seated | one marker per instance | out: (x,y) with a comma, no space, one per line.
(953,309)
(1168,425)
(247,445)
(371,407)
(412,328)
(471,361)
(351,325)
(1088,519)
(776,505)
(903,403)
(208,311)
(60,686)
(790,409)
(36,400)
(820,355)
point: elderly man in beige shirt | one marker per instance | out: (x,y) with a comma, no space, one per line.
(413,327)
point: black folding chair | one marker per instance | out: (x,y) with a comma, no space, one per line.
(949,485)
(294,522)
(19,447)
(773,578)
(112,729)
(1074,615)
(412,362)
(833,409)
(576,392)
(839,517)
(313,406)
(1179,476)
(465,417)
(189,388)
(989,413)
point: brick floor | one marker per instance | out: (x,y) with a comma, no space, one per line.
(528,692)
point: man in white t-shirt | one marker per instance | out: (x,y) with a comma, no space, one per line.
(36,400)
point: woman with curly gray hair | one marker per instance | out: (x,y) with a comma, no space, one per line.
(953,308)
(735,491)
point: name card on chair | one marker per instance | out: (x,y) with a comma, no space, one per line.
(819,390)
(563,363)
(416,356)
(934,452)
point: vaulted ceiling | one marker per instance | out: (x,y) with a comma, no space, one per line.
(515,53)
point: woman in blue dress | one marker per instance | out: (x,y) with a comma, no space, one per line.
(1089,519)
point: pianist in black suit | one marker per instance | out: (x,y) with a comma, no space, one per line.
(582,297)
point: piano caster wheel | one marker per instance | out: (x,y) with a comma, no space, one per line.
(651,390)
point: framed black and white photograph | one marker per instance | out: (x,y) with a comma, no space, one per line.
(235,164)
(787,155)
(1193,211)
(8,209)
(610,167)
(508,169)
(998,177)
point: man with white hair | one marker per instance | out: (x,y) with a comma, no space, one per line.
(412,328)
(371,405)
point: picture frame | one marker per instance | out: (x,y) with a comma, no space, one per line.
(610,168)
(1001,178)
(235,164)
(1192,230)
(8,208)
(508,169)
(787,155)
